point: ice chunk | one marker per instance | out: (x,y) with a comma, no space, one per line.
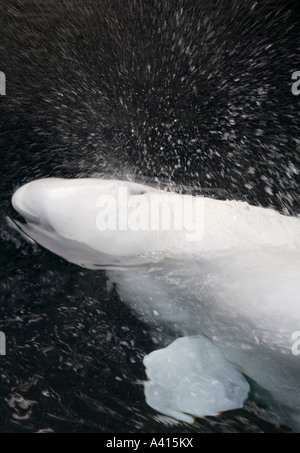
(191,376)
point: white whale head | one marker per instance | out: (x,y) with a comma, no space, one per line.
(94,221)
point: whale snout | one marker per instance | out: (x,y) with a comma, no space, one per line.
(23,201)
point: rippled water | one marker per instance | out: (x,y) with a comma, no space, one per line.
(195,94)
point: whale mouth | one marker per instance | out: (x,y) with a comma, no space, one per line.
(21,206)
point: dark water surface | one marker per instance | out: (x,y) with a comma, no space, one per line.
(193,93)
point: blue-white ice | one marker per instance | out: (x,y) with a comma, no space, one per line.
(192,377)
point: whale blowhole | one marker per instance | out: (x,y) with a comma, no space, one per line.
(137,191)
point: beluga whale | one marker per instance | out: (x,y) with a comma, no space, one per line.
(221,278)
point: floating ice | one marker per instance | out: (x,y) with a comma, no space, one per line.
(191,376)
